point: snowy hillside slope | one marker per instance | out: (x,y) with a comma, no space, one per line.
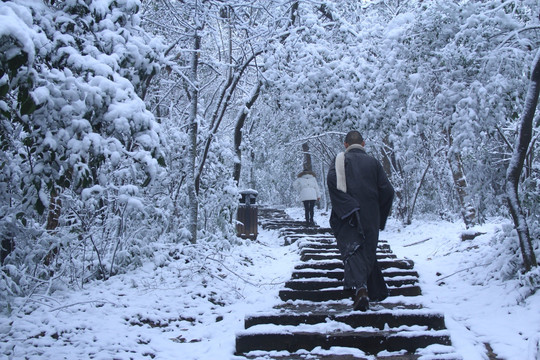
(190,301)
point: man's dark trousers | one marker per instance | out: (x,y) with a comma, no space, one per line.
(360,262)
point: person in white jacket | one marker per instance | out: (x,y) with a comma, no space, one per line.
(308,192)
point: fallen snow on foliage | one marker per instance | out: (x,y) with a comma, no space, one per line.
(190,302)
(472,283)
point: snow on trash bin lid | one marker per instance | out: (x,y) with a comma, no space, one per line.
(248,196)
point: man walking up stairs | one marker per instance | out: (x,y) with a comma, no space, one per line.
(315,319)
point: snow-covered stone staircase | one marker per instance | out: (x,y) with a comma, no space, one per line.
(316,320)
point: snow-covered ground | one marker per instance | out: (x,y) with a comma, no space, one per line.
(168,309)
(189,302)
(469,281)
(472,282)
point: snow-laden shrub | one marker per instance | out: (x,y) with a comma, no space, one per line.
(78,146)
(102,234)
(499,259)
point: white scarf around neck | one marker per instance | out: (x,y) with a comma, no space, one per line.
(340,167)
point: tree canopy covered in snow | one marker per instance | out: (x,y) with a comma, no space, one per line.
(126,123)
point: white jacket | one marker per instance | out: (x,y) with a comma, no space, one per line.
(307,187)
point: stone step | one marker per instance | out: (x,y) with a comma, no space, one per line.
(331,256)
(317,243)
(347,354)
(280,223)
(287,223)
(343,306)
(338,274)
(272,226)
(339,294)
(374,319)
(316,313)
(320,240)
(310,246)
(323,239)
(271,212)
(317,355)
(321,283)
(371,342)
(313,248)
(304,230)
(309,249)
(326,241)
(338,264)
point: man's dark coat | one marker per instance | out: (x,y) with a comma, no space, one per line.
(369,194)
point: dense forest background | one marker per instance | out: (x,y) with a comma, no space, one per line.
(127,124)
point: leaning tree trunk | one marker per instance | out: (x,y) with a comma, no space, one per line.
(410,210)
(460,182)
(240,121)
(193,129)
(515,167)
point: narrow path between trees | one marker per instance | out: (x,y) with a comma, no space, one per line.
(315,319)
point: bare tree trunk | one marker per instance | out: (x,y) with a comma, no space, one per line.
(252,181)
(193,130)
(219,114)
(240,121)
(515,167)
(306,164)
(55,208)
(387,159)
(410,211)
(397,176)
(53,218)
(324,189)
(233,78)
(460,182)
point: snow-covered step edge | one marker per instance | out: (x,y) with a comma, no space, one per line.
(334,327)
(374,319)
(371,342)
(432,352)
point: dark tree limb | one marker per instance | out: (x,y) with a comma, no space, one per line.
(240,121)
(218,116)
(306,164)
(515,167)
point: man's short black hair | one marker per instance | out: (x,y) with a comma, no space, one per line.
(354,137)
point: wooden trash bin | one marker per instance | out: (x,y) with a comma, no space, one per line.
(246,217)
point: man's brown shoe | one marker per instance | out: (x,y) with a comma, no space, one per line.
(361,300)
